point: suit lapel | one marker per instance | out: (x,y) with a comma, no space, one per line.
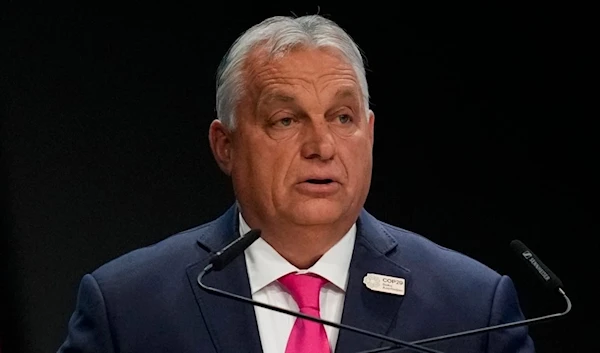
(364,308)
(231,324)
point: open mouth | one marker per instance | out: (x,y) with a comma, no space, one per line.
(319,181)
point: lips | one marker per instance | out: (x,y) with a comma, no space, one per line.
(318,186)
(318,178)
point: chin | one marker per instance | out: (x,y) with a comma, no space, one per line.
(318,212)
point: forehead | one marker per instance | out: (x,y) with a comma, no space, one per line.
(321,68)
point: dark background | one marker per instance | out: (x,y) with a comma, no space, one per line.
(481,137)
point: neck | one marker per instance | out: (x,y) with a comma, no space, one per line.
(301,245)
(302,248)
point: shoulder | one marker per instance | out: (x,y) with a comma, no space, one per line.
(156,261)
(446,276)
(426,258)
(443,283)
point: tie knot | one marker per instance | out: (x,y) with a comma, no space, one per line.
(304,288)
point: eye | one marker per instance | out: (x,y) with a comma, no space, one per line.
(344,122)
(344,118)
(285,121)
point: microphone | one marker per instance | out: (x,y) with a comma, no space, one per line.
(223,257)
(549,279)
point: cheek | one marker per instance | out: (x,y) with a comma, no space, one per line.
(359,162)
(266,164)
(285,166)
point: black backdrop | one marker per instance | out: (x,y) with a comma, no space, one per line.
(481,138)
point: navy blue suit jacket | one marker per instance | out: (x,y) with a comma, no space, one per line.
(149,300)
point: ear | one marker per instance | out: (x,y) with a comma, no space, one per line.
(220,144)
(372,126)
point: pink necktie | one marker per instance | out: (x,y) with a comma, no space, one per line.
(307,336)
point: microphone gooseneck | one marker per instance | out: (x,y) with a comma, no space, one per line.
(541,271)
(480,330)
(240,298)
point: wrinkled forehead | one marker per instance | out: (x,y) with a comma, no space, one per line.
(318,60)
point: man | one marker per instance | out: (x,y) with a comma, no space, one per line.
(295,134)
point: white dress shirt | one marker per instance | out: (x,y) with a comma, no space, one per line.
(265,266)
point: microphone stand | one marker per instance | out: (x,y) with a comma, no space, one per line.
(240,298)
(225,256)
(481,330)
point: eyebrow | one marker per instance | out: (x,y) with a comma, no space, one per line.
(284,98)
(347,93)
(276,97)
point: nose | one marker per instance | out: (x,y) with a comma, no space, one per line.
(319,142)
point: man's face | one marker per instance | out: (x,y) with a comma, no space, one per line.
(301,152)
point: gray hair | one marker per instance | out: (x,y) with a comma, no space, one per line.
(276,35)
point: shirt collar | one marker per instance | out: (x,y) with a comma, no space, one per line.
(266,265)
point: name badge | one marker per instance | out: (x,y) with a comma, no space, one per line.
(384,284)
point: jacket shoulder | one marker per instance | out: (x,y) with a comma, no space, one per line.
(426,256)
(172,254)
